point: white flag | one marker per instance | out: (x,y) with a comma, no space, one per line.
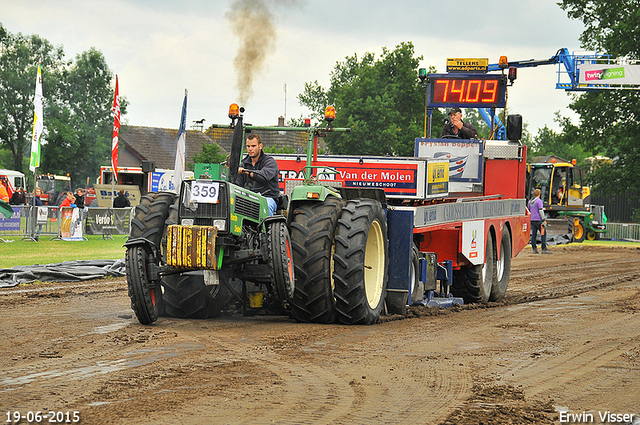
(38,124)
(182,138)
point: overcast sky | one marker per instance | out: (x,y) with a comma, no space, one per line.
(159,48)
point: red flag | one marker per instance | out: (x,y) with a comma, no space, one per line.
(116,132)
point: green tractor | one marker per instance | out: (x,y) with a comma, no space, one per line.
(192,254)
(189,254)
(566,200)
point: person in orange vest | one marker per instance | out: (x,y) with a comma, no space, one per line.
(4,195)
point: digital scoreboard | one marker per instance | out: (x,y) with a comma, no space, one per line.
(466,90)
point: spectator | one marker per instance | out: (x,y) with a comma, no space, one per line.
(38,203)
(80,198)
(454,126)
(4,195)
(18,197)
(121,200)
(69,201)
(538,223)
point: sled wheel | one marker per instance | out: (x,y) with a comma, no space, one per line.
(313,226)
(281,260)
(503,268)
(146,301)
(360,262)
(474,283)
(414,277)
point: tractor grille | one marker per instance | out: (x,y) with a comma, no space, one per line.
(247,208)
(206,213)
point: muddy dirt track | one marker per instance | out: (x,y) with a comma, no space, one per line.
(567,338)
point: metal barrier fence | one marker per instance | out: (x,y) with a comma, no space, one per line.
(616,231)
(32,223)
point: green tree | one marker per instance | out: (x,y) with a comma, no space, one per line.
(277,149)
(380,99)
(563,144)
(608,123)
(77,106)
(80,121)
(19,57)
(210,154)
(612,26)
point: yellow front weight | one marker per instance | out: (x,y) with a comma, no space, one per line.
(192,247)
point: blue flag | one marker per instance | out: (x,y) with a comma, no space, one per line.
(180,154)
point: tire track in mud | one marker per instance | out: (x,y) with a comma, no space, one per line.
(578,370)
(318,387)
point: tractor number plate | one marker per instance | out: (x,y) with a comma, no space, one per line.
(205,192)
(192,247)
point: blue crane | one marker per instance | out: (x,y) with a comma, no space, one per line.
(562,58)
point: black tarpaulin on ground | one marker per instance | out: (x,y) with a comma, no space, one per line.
(67,271)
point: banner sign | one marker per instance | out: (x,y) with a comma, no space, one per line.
(12,223)
(71,224)
(42,215)
(105,196)
(108,221)
(162,181)
(399,177)
(595,74)
(465,157)
(467,64)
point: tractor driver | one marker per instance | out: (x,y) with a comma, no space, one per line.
(454,126)
(261,171)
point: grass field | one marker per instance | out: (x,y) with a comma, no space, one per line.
(26,253)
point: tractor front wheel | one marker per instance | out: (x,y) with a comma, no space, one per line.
(148,223)
(281,259)
(146,299)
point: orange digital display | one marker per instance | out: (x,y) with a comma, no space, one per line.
(486,91)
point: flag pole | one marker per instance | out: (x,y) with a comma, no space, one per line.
(38,126)
(116,135)
(179,165)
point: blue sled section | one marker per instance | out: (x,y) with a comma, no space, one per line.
(434,300)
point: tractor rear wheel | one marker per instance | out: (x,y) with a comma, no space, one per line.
(187,297)
(503,269)
(474,283)
(361,262)
(281,261)
(313,227)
